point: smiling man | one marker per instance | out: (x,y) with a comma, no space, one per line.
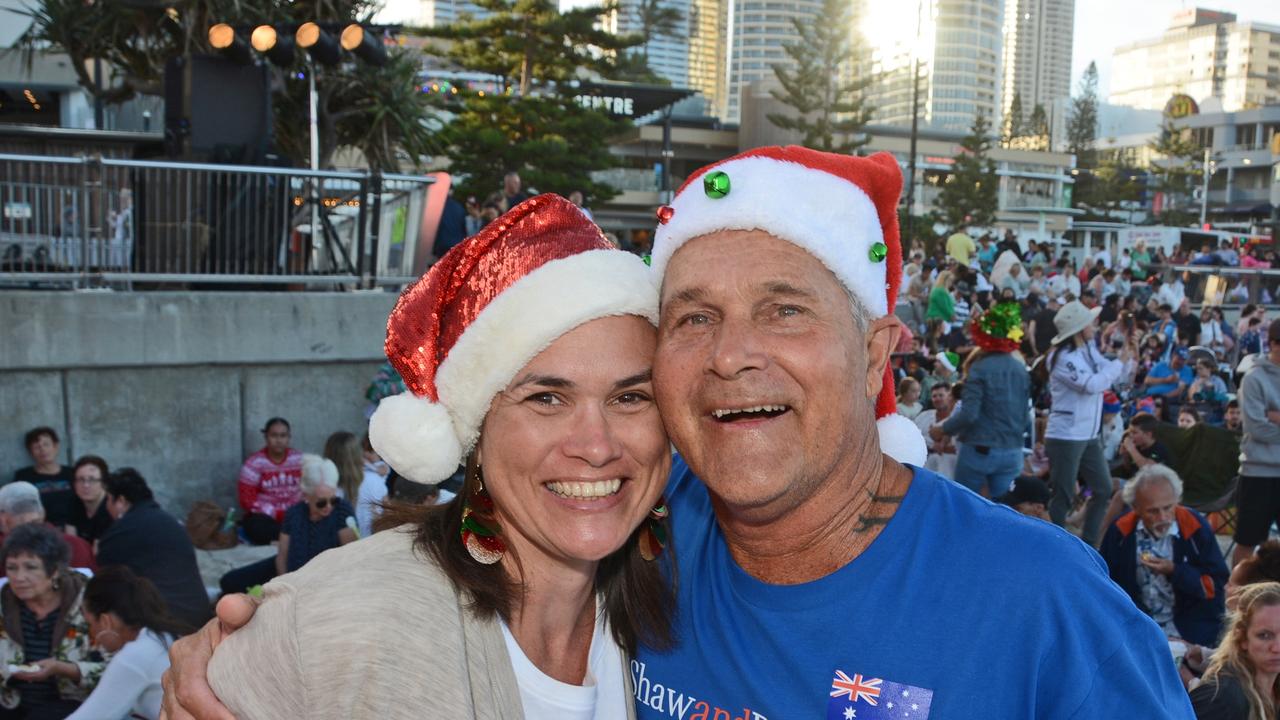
(837,582)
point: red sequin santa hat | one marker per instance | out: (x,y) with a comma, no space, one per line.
(461,332)
(840,208)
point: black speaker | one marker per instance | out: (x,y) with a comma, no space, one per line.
(216,109)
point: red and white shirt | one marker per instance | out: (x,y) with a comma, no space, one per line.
(270,488)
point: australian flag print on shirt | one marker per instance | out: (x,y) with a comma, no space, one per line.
(858,697)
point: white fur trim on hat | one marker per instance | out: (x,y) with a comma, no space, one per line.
(901,440)
(416,437)
(527,317)
(836,222)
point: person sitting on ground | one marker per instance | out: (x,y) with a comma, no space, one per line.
(316,524)
(909,397)
(48,474)
(128,619)
(269,483)
(942,452)
(1188,418)
(373,487)
(1170,378)
(50,665)
(154,545)
(20,505)
(1167,558)
(1231,417)
(1261,567)
(1241,679)
(343,448)
(89,515)
(1029,496)
(1207,389)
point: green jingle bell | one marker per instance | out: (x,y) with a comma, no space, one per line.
(878,252)
(716,184)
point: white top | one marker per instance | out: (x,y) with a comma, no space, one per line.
(601,696)
(130,686)
(373,489)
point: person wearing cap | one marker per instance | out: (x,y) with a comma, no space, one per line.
(1170,378)
(1166,557)
(1258,496)
(813,563)
(1029,496)
(527,352)
(1079,375)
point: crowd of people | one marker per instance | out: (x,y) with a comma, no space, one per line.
(98,583)
(1081,399)
(584,570)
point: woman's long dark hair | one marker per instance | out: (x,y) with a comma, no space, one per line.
(133,599)
(638,598)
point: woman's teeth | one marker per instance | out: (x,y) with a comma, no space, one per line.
(599,489)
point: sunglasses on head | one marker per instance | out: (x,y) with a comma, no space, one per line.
(323,503)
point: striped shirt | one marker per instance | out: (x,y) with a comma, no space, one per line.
(37,644)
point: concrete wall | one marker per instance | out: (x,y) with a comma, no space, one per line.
(178,385)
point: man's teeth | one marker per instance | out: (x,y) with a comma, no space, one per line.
(602,488)
(757,408)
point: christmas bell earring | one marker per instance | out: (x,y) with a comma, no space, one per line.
(653,536)
(479,531)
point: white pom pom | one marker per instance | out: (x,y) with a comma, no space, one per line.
(901,440)
(416,437)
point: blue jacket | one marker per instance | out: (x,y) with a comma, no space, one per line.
(1199,572)
(994,410)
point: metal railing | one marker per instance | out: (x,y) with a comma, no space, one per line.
(1223,285)
(77,222)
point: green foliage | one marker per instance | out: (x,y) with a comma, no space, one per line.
(1176,169)
(1014,121)
(552,141)
(528,40)
(1109,187)
(372,109)
(1082,121)
(1037,129)
(970,195)
(829,113)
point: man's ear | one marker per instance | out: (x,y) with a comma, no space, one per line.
(882,337)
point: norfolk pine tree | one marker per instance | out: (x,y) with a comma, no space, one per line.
(970,195)
(1082,135)
(830,114)
(538,129)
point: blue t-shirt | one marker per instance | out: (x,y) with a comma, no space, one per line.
(308,539)
(1164,369)
(959,610)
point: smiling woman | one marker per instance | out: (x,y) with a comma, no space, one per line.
(528,352)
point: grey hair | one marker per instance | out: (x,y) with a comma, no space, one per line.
(20,498)
(317,471)
(861,317)
(1148,475)
(40,541)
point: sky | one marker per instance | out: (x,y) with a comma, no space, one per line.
(1103,25)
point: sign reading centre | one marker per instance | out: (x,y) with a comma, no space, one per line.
(612,105)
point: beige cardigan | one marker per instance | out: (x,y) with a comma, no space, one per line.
(370,630)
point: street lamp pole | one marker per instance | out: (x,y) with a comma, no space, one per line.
(313,103)
(915,126)
(1204,188)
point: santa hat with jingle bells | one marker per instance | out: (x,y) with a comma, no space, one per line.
(462,332)
(840,208)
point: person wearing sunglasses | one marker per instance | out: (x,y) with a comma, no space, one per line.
(310,526)
(319,522)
